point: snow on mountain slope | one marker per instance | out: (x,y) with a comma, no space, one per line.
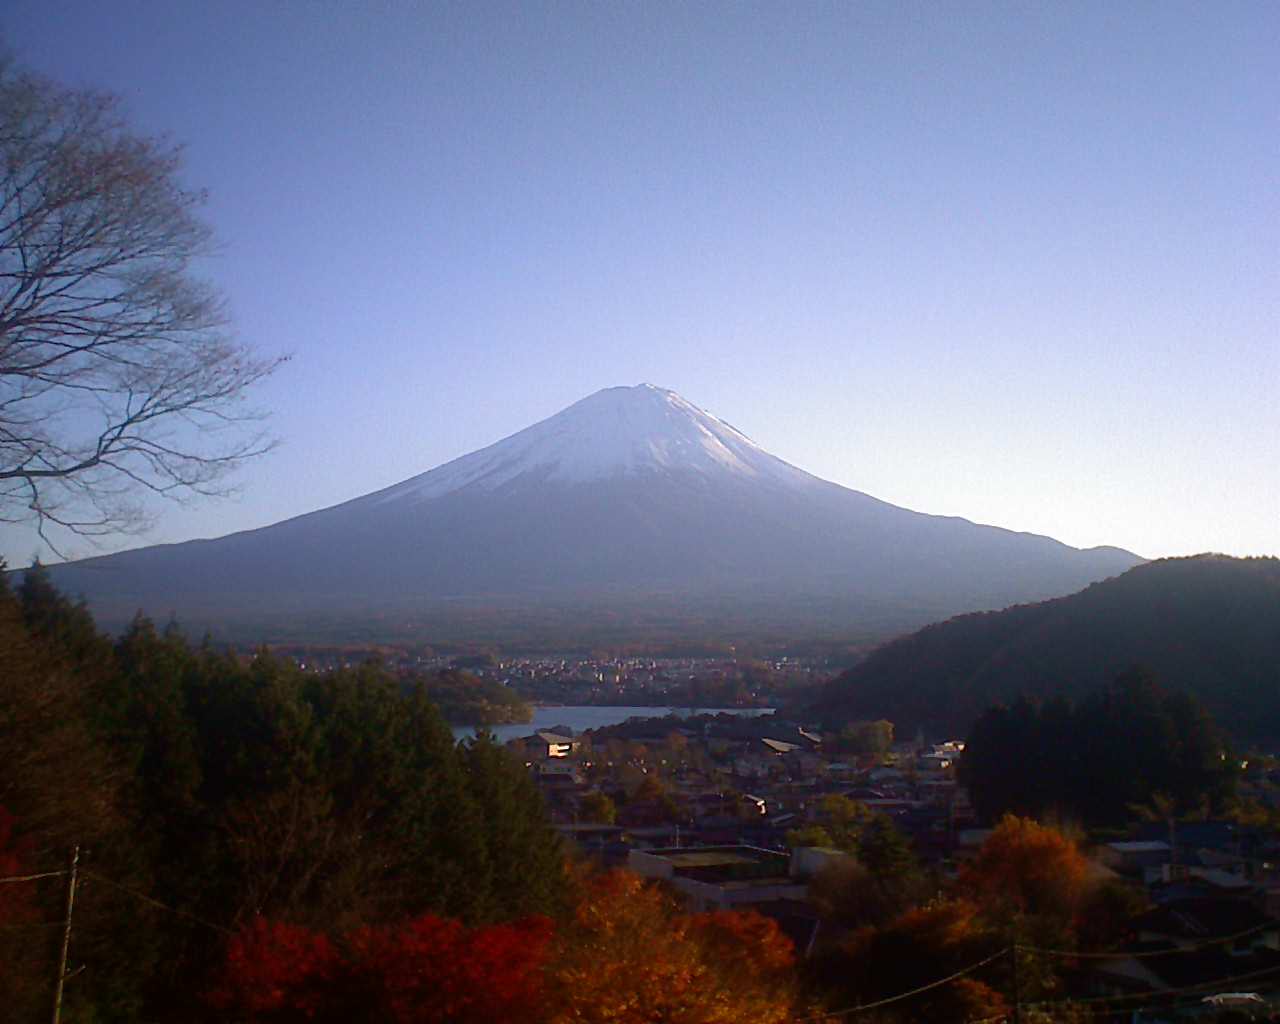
(616,432)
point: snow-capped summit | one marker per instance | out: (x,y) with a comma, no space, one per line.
(616,432)
(632,498)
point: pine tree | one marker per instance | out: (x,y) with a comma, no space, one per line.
(884,851)
(526,873)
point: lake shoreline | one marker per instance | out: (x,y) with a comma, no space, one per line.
(584,717)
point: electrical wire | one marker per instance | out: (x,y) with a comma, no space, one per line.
(1207,944)
(32,878)
(905,995)
(1092,1000)
(1111,1012)
(156,903)
(1204,986)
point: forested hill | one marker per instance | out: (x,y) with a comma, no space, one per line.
(1207,624)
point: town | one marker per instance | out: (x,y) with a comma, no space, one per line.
(577,679)
(764,813)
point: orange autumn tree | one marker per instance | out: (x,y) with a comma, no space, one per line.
(630,957)
(1029,869)
(934,940)
(912,952)
(1033,884)
(744,942)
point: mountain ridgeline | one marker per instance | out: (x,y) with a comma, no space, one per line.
(1209,625)
(630,500)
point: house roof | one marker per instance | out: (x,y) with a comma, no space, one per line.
(1139,847)
(1214,834)
(726,865)
(1201,968)
(1203,917)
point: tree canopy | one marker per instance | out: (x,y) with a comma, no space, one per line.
(1209,625)
(1096,758)
(211,790)
(628,957)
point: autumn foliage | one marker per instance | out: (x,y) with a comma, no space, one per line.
(629,957)
(15,901)
(430,969)
(1030,869)
(912,952)
(17,908)
(744,942)
(274,968)
(1029,884)
(626,956)
(435,969)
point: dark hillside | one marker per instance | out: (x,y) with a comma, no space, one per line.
(1208,624)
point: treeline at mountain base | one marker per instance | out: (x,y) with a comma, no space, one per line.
(1102,759)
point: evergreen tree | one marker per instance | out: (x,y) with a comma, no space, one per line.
(62,782)
(225,788)
(884,851)
(66,627)
(1095,759)
(526,873)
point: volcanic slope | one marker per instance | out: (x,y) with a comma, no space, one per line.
(627,493)
(1207,624)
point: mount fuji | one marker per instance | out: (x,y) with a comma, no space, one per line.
(630,497)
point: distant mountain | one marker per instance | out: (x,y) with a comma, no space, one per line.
(630,497)
(1208,624)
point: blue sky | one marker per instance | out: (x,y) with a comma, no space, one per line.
(1015,262)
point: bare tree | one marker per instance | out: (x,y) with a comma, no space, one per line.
(118,378)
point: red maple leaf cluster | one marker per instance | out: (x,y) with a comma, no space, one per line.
(16,904)
(426,970)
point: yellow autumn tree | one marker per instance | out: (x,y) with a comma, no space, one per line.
(629,956)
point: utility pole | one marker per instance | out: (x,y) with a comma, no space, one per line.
(66,935)
(1018,999)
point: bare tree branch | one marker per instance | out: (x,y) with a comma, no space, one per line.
(117,374)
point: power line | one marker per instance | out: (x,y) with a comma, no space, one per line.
(1158,999)
(32,878)
(1203,986)
(156,903)
(29,925)
(1207,944)
(908,994)
(123,888)
(1111,1012)
(1200,987)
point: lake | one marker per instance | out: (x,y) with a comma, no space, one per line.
(581,718)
